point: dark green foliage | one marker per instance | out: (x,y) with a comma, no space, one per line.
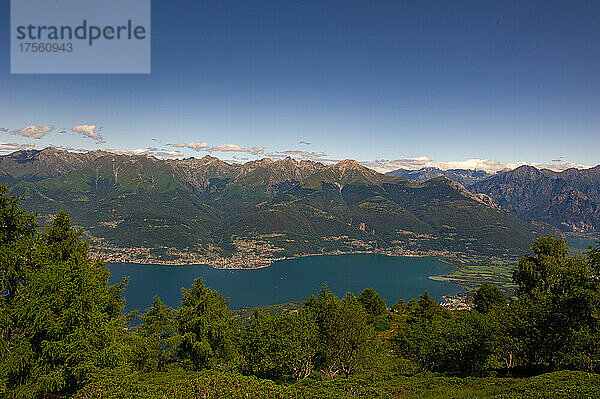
(61,321)
(376,309)
(206,327)
(438,340)
(156,340)
(558,307)
(487,298)
(594,258)
(543,271)
(279,347)
(345,337)
(62,241)
(552,325)
(17,238)
(372,302)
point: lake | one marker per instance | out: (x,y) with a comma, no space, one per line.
(289,280)
(579,244)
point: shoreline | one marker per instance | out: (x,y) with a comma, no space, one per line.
(225,264)
(456,261)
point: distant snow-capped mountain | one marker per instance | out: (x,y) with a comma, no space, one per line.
(475,164)
(466,177)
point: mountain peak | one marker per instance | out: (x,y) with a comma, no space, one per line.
(526,167)
(262,162)
(525,171)
(348,164)
(287,161)
(52,150)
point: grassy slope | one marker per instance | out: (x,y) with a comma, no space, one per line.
(214,384)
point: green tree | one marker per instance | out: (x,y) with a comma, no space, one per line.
(373,303)
(61,321)
(439,340)
(377,313)
(279,347)
(594,258)
(420,337)
(156,339)
(350,336)
(488,297)
(556,315)
(345,336)
(17,239)
(206,326)
(542,271)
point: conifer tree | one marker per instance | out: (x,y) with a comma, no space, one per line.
(61,321)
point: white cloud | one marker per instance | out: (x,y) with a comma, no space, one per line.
(193,145)
(3,129)
(486,165)
(257,150)
(158,153)
(237,148)
(116,151)
(168,154)
(203,146)
(559,167)
(294,152)
(228,147)
(88,131)
(11,147)
(34,131)
(317,155)
(72,149)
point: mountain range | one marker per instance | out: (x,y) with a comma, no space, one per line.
(136,207)
(466,177)
(568,201)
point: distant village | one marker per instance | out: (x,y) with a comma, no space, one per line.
(251,253)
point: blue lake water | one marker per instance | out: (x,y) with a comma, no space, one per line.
(579,245)
(289,280)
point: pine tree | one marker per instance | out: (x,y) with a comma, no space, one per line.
(61,321)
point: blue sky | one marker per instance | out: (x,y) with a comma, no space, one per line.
(448,80)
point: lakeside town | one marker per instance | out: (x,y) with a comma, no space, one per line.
(249,254)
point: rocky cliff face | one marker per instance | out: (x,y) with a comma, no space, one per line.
(568,200)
